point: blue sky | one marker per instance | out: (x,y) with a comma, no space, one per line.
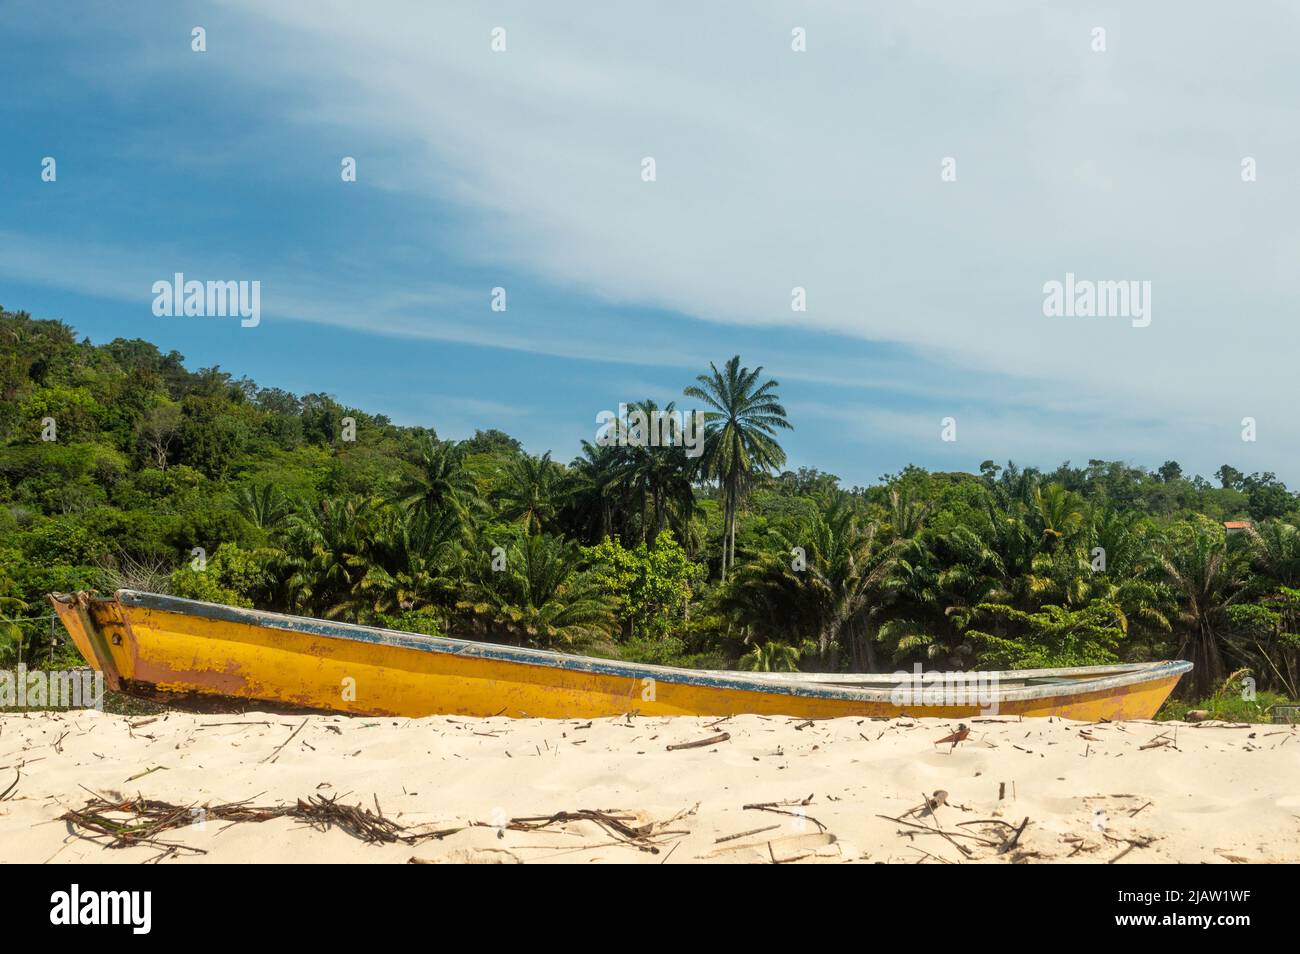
(776,169)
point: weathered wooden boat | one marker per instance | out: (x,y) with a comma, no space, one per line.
(171,648)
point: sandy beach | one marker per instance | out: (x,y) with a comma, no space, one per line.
(760,789)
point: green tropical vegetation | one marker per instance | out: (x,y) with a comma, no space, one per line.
(120,467)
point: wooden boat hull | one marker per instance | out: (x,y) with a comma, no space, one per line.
(165,646)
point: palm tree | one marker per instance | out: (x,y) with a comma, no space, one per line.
(658,476)
(1013,486)
(935,592)
(532,491)
(443,481)
(264,507)
(1208,577)
(589,498)
(1270,645)
(1056,514)
(771,657)
(1277,550)
(740,438)
(1130,574)
(542,596)
(907,514)
(1006,528)
(11,633)
(825,592)
(326,557)
(415,559)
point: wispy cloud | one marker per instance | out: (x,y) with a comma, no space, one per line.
(822,169)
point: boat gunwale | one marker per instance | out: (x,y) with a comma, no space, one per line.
(1109,677)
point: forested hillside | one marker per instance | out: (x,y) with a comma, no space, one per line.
(121,467)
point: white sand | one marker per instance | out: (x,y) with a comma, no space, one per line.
(1215,794)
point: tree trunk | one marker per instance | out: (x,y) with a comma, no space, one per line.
(869,645)
(729,530)
(1212,672)
(726,524)
(732,544)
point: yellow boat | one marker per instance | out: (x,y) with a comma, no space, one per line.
(190,652)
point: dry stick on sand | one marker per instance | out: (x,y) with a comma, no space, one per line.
(320,813)
(211,725)
(779,808)
(5,795)
(937,831)
(1002,846)
(745,834)
(701,743)
(1161,740)
(932,805)
(1130,844)
(276,754)
(641,837)
(1014,839)
(928,803)
(156,768)
(148,818)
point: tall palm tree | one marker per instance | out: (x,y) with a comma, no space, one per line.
(1005,528)
(740,440)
